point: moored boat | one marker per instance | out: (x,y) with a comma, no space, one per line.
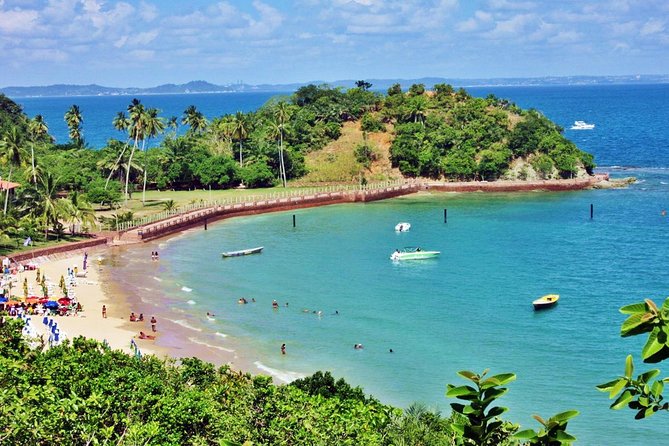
(243,252)
(411,253)
(402,227)
(547,301)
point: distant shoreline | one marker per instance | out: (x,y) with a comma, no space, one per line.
(203,87)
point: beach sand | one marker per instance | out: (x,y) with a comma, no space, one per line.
(99,288)
(92,293)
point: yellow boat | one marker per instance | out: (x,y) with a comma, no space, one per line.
(546,301)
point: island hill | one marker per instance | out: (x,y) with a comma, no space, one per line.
(319,135)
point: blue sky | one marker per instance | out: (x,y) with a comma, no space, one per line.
(149,42)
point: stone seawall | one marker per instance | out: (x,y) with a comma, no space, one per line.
(205,216)
(24,256)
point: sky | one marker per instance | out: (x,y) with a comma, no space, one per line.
(151,42)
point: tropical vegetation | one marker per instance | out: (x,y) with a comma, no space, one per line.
(440,134)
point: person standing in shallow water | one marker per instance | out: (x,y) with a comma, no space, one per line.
(104,311)
(283,349)
(153,323)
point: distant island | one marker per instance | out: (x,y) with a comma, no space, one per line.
(240,87)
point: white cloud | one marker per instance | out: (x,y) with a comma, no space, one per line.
(652,26)
(147,11)
(512,27)
(511,5)
(17,21)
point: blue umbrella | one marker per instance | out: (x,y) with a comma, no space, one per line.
(3,299)
(51,304)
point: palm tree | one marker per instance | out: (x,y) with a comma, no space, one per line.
(74,119)
(240,132)
(155,125)
(194,119)
(173,123)
(282,115)
(78,210)
(137,131)
(37,129)
(47,201)
(11,153)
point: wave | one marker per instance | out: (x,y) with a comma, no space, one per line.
(191,302)
(223,335)
(282,375)
(217,347)
(157,278)
(186,289)
(185,324)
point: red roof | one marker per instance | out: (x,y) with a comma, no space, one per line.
(4,185)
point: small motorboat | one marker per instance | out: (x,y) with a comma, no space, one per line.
(547,301)
(412,253)
(242,252)
(582,125)
(402,227)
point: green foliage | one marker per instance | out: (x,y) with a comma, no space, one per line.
(324,384)
(370,123)
(84,393)
(97,193)
(365,154)
(483,422)
(257,175)
(642,393)
(543,164)
(552,433)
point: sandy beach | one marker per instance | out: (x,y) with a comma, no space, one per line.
(92,293)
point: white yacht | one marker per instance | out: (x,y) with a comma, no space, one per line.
(582,125)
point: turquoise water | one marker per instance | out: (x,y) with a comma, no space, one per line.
(469,309)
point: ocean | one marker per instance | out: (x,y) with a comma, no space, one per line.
(468,309)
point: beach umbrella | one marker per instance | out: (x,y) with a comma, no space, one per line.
(42,300)
(51,304)
(32,300)
(3,299)
(64,301)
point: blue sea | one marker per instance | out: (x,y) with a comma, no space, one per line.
(469,309)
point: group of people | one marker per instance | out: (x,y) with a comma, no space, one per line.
(134,318)
(154,255)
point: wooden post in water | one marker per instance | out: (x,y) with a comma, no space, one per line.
(445,215)
(592,210)
(293,220)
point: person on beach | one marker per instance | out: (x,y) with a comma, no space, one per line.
(153,323)
(104,311)
(141,317)
(133,318)
(283,349)
(142,335)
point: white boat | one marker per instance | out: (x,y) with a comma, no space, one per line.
(402,227)
(582,125)
(546,301)
(412,253)
(243,252)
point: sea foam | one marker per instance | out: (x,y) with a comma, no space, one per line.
(185,324)
(217,347)
(285,376)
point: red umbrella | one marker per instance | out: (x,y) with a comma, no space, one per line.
(64,301)
(42,300)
